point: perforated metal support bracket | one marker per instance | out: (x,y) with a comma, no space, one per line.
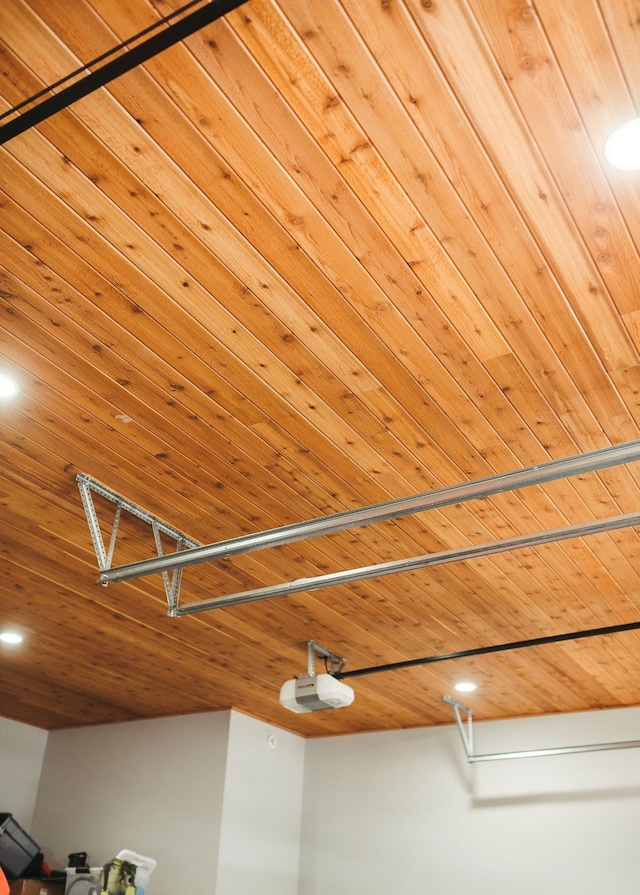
(172,580)
(466,736)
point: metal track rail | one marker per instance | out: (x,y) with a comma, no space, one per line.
(429,560)
(466,737)
(394,509)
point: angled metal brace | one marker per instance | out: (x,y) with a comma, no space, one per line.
(173,580)
(88,487)
(104,558)
(466,737)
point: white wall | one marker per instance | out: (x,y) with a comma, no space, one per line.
(22,753)
(403,812)
(215,799)
(262,810)
(154,787)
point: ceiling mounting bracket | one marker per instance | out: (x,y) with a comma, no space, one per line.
(333,662)
(466,736)
(88,487)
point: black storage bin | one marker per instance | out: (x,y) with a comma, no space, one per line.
(18,851)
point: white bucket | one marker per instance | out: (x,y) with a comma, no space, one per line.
(144,868)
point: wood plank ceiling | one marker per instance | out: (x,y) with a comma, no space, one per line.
(314,257)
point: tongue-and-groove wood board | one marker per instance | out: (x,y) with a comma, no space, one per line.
(318,256)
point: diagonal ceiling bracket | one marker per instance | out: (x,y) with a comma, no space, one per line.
(88,487)
(171,580)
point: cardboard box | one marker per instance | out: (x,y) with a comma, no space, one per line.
(37,887)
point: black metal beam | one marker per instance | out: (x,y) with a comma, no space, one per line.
(485,650)
(124,63)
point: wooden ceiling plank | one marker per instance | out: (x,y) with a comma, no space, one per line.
(258,577)
(528,179)
(405,637)
(68,454)
(104,673)
(220,416)
(174,441)
(84,540)
(621,19)
(359,162)
(142,603)
(134,671)
(52,708)
(602,78)
(459,612)
(199,669)
(542,91)
(330,190)
(331,423)
(400,297)
(530,286)
(283,570)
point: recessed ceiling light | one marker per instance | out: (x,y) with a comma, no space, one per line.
(465,687)
(622,149)
(8,387)
(10,637)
